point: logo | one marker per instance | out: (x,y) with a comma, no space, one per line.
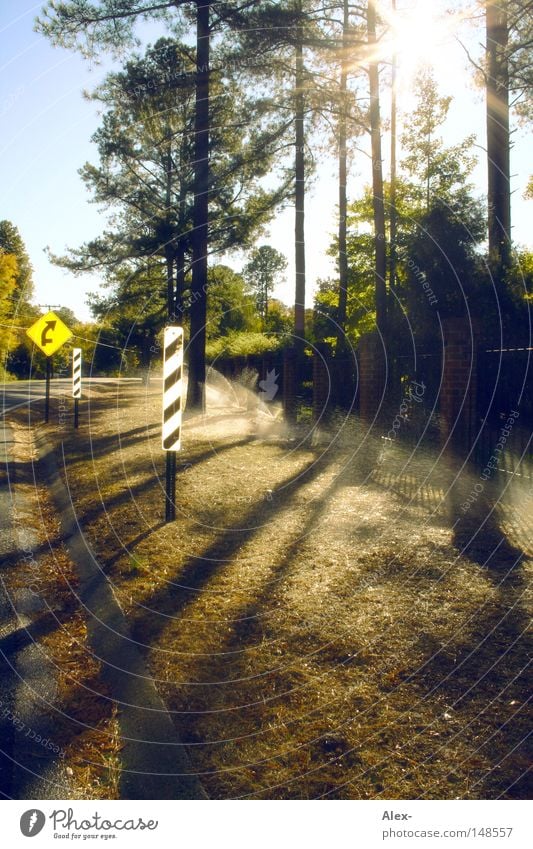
(32,822)
(269,387)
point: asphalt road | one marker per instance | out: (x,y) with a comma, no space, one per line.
(20,393)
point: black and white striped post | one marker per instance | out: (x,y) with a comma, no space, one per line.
(172,410)
(76,383)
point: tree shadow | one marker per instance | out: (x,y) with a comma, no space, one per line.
(488,669)
(153,613)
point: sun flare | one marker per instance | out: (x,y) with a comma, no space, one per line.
(421,34)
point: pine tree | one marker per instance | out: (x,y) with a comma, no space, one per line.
(145,176)
(436,170)
(263,270)
(110,24)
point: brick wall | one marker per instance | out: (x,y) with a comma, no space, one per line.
(372,375)
(322,381)
(457,398)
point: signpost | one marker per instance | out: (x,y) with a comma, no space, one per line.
(49,333)
(172,411)
(76,382)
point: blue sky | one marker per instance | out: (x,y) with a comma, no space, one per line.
(46,128)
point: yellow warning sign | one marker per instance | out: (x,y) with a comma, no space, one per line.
(49,333)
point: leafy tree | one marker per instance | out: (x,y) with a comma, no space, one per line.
(134,312)
(11,243)
(16,290)
(279,320)
(8,282)
(262,272)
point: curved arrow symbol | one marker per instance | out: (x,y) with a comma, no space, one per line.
(49,327)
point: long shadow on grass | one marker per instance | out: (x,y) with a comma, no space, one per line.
(492,669)
(154,612)
(483,677)
(90,445)
(131,492)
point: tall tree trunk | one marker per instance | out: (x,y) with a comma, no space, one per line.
(343,178)
(393,215)
(380,268)
(169,263)
(200,237)
(498,138)
(182,241)
(169,246)
(299,189)
(180,276)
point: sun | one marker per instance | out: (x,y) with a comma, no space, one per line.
(418,35)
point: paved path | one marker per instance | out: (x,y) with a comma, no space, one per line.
(21,393)
(29,766)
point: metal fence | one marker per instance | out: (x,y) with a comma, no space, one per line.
(504,402)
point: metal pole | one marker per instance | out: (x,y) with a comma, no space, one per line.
(170,500)
(76,412)
(47,394)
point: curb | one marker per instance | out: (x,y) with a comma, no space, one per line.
(155,764)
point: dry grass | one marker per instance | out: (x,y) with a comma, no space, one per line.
(320,626)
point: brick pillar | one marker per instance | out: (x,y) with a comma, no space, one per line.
(457,399)
(372,375)
(322,381)
(290,374)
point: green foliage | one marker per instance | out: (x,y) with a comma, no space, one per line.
(11,243)
(440,269)
(230,308)
(242,344)
(279,319)
(8,282)
(145,177)
(16,289)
